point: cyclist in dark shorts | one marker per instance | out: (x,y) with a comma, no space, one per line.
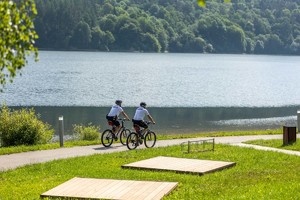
(139,116)
(114,113)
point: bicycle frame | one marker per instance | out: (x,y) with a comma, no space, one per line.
(140,129)
(108,135)
(121,129)
(136,138)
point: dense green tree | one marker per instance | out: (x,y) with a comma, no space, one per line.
(259,47)
(108,22)
(97,38)
(273,44)
(261,26)
(295,46)
(150,43)
(236,40)
(81,37)
(240,26)
(128,35)
(109,39)
(163,39)
(213,29)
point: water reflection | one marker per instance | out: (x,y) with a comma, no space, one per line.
(179,120)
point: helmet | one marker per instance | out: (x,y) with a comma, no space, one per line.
(143,104)
(118,102)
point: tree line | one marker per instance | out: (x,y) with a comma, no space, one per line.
(241,26)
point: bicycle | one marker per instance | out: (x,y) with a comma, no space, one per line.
(107,136)
(135,139)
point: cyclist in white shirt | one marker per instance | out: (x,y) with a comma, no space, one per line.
(114,113)
(139,116)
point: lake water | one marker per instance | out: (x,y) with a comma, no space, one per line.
(184,92)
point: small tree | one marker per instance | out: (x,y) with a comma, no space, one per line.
(17,37)
(23,127)
(89,132)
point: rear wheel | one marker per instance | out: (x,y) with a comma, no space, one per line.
(123,136)
(107,138)
(132,141)
(150,139)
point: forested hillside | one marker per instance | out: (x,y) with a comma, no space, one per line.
(242,26)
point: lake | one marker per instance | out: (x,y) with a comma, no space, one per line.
(184,92)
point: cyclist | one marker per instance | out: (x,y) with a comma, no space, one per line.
(139,116)
(113,115)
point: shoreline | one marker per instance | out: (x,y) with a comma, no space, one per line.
(176,120)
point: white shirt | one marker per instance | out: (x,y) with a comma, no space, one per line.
(140,113)
(115,111)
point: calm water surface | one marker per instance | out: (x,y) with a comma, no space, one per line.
(240,91)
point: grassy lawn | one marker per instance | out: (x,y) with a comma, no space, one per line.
(23,148)
(18,149)
(257,174)
(278,143)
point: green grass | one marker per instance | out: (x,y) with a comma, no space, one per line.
(257,174)
(220,134)
(18,149)
(23,148)
(276,143)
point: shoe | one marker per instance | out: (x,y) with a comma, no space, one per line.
(140,141)
(115,137)
(141,135)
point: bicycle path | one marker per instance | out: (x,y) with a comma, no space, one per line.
(13,161)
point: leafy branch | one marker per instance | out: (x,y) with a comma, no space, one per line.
(17,37)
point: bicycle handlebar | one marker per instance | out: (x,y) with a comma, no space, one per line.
(148,122)
(123,120)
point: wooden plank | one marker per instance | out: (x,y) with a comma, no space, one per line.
(141,191)
(127,194)
(65,186)
(102,191)
(112,189)
(161,191)
(83,184)
(181,165)
(124,193)
(88,188)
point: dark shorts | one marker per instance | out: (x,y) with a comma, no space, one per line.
(140,123)
(113,120)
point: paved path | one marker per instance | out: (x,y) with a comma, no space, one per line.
(13,161)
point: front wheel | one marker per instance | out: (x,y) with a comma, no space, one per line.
(132,141)
(107,138)
(123,136)
(150,139)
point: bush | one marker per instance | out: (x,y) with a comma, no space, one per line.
(23,127)
(89,132)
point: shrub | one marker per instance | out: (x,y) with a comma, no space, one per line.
(23,127)
(89,132)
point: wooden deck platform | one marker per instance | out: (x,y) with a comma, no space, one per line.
(181,165)
(89,188)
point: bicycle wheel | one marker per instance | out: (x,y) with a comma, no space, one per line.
(150,139)
(107,138)
(132,141)
(123,136)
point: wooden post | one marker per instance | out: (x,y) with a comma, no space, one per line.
(289,135)
(61,130)
(298,120)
